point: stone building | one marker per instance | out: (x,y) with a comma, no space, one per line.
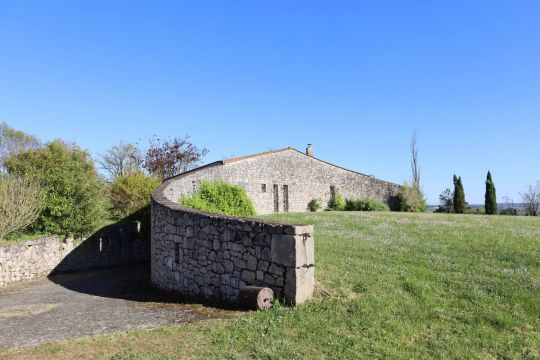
(284,180)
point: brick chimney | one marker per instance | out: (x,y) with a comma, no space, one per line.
(309,150)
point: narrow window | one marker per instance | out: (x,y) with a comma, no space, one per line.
(276,198)
(285,198)
(263,188)
(332,192)
(177,253)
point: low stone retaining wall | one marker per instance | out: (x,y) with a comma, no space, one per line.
(114,245)
(213,256)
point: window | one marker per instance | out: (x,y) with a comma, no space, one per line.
(285,198)
(263,188)
(276,198)
(177,251)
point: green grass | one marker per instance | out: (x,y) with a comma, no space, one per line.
(27,236)
(21,238)
(390,285)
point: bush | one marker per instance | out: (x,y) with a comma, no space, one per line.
(337,203)
(509,211)
(75,203)
(21,200)
(314,205)
(220,197)
(366,204)
(410,199)
(130,193)
(475,211)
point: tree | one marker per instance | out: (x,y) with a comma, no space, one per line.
(491,196)
(14,141)
(120,160)
(21,200)
(531,199)
(172,157)
(414,161)
(130,193)
(75,202)
(459,196)
(411,199)
(446,199)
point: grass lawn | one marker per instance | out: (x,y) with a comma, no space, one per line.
(21,238)
(390,285)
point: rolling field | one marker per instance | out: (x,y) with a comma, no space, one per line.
(390,285)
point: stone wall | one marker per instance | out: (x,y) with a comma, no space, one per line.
(114,245)
(286,178)
(212,256)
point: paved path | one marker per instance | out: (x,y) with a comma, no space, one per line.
(76,305)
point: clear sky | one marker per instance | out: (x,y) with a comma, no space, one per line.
(355,78)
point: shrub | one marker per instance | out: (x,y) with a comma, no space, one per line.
(220,197)
(314,205)
(75,200)
(337,202)
(509,211)
(475,211)
(130,193)
(410,199)
(21,200)
(366,204)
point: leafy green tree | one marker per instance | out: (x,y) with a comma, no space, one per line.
(14,141)
(75,203)
(491,196)
(130,193)
(446,201)
(459,196)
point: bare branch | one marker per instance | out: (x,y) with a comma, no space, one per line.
(531,198)
(21,201)
(120,160)
(414,161)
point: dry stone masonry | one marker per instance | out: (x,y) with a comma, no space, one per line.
(213,256)
(114,245)
(285,180)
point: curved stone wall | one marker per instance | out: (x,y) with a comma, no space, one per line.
(114,245)
(212,256)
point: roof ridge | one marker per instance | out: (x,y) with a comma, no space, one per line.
(227,161)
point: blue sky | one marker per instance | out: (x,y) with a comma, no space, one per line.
(353,78)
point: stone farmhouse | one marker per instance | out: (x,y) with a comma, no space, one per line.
(284,180)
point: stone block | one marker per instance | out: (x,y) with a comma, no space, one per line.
(293,250)
(299,284)
(248,276)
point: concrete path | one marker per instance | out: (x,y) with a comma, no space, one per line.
(98,302)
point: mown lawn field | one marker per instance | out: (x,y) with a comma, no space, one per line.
(390,285)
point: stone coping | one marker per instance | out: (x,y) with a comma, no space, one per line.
(159,197)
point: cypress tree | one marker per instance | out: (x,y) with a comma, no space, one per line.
(456,190)
(491,196)
(459,196)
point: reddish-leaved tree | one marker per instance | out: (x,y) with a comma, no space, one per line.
(170,157)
